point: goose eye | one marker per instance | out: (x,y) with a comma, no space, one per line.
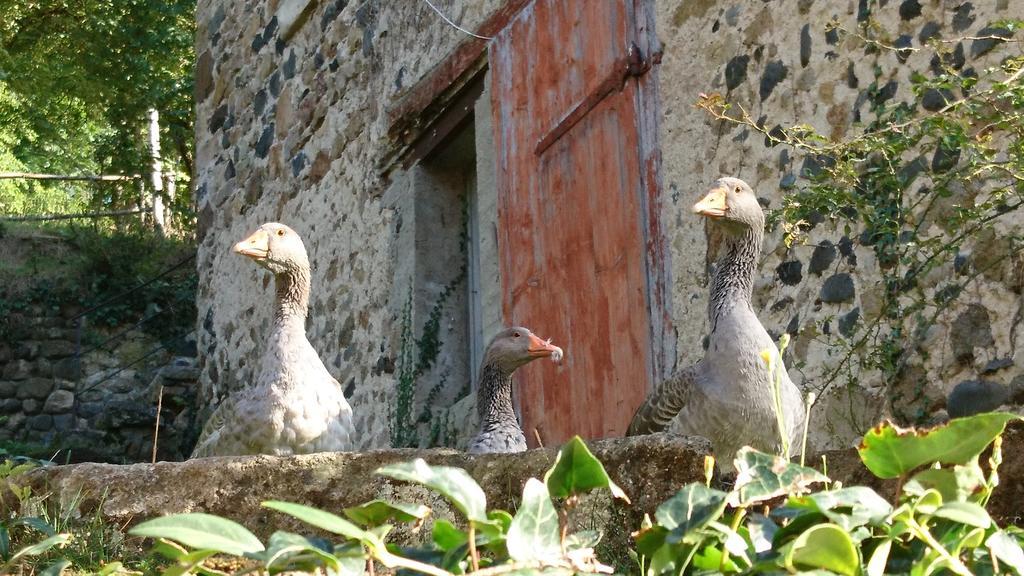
(737,189)
(281,232)
(515,334)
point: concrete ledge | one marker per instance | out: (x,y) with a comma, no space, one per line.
(650,469)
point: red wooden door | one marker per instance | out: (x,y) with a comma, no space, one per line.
(581,255)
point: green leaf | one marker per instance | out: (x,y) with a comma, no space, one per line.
(446,536)
(879,558)
(577,471)
(455,484)
(35,523)
(761,477)
(890,451)
(322,520)
(967,513)
(848,507)
(692,508)
(825,546)
(378,512)
(1007,550)
(534,533)
(202,531)
(40,547)
(762,531)
(186,563)
(110,568)
(55,569)
(283,547)
(582,540)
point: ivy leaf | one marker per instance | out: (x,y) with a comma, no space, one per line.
(284,546)
(692,508)
(325,521)
(577,471)
(1007,550)
(202,532)
(455,484)
(890,451)
(377,512)
(847,507)
(761,477)
(446,536)
(534,533)
(824,546)
(967,513)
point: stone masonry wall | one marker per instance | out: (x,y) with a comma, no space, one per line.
(62,395)
(291,125)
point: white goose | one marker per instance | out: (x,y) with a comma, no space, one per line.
(295,406)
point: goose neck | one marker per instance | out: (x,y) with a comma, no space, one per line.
(494,399)
(292,295)
(733,280)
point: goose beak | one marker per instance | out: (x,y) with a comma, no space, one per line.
(256,246)
(713,205)
(541,348)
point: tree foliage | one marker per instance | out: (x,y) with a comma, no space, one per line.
(76,80)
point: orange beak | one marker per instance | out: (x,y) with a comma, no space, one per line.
(541,348)
(256,246)
(713,205)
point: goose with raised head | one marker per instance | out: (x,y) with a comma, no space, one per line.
(508,351)
(728,396)
(295,406)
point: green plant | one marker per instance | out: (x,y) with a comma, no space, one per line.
(771,521)
(922,182)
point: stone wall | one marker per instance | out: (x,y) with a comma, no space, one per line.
(62,395)
(292,125)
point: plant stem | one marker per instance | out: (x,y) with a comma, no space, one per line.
(736,519)
(473,557)
(391,560)
(954,563)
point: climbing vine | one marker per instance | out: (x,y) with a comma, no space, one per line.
(924,184)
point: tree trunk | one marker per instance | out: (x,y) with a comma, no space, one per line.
(156,174)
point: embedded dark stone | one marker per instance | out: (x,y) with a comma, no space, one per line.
(935,99)
(912,169)
(961,262)
(823,256)
(947,293)
(963,17)
(946,157)
(997,365)
(971,329)
(815,164)
(259,101)
(910,9)
(832,36)
(398,78)
(298,163)
(954,59)
(204,76)
(229,170)
(774,72)
(736,71)
(903,44)
(366,18)
(931,29)
(851,76)
(262,40)
(716,26)
(805,45)
(783,159)
(218,117)
(288,68)
(837,288)
(846,246)
(350,389)
(793,327)
(275,84)
(848,322)
(774,135)
(266,139)
(40,422)
(331,12)
(782,304)
(213,26)
(385,365)
(741,136)
(863,10)
(974,397)
(334,65)
(791,272)
(983,46)
(788,181)
(887,92)
(804,6)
